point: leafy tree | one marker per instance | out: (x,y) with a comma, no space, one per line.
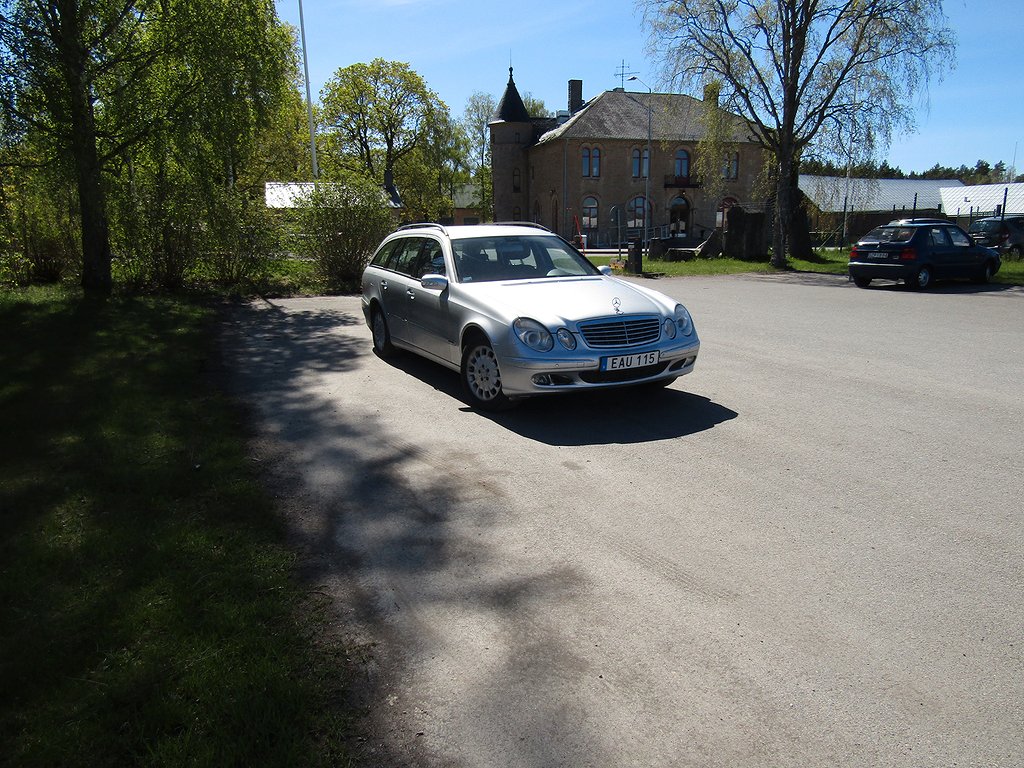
(535,107)
(480,108)
(378,113)
(797,69)
(167,97)
(384,124)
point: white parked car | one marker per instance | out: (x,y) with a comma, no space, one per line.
(519,312)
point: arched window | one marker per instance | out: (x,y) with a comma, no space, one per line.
(682,167)
(636,213)
(586,161)
(517,180)
(595,162)
(589,208)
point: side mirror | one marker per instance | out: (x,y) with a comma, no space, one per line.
(604,269)
(434,282)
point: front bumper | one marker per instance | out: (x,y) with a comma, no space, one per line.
(542,374)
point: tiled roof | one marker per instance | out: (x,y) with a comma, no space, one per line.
(828,193)
(623,115)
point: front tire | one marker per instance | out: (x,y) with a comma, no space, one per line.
(481,377)
(920,280)
(381,335)
(986,274)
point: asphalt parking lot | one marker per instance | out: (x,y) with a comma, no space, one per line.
(809,552)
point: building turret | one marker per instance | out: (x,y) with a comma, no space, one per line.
(511,134)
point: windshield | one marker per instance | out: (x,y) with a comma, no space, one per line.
(517,257)
(984,227)
(888,235)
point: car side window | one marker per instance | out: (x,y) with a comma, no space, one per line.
(406,258)
(385,257)
(431,260)
(959,238)
(937,236)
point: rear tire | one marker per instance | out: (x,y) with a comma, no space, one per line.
(381,335)
(862,282)
(1014,253)
(481,378)
(920,280)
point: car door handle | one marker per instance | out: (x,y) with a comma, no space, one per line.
(410,293)
(383,285)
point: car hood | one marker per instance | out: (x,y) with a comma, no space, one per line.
(565,301)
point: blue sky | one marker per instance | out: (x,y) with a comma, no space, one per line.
(460,46)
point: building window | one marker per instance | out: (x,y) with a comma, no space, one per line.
(586,162)
(641,164)
(636,213)
(731,166)
(554,215)
(536,212)
(589,213)
(517,181)
(595,162)
(682,168)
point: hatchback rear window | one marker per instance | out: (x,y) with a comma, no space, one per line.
(888,235)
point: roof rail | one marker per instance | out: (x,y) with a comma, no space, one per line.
(519,224)
(423,225)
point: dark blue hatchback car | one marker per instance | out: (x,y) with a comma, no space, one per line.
(919,253)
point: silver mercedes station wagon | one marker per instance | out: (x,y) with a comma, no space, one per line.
(519,312)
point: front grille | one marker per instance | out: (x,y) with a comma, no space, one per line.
(625,332)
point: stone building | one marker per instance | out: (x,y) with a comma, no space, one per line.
(587,171)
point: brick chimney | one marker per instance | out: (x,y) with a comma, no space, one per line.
(575,96)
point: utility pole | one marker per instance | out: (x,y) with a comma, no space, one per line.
(648,208)
(309,98)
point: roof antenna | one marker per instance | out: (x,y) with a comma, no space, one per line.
(622,72)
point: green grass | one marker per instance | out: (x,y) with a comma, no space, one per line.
(148,610)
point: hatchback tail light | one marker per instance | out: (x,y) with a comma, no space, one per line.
(908,254)
(853,253)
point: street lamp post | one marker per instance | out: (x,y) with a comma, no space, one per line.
(648,208)
(309,98)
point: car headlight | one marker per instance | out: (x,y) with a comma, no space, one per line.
(566,338)
(683,321)
(669,327)
(533,334)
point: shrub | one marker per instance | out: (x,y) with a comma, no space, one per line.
(341,226)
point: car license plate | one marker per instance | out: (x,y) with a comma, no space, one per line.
(623,362)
